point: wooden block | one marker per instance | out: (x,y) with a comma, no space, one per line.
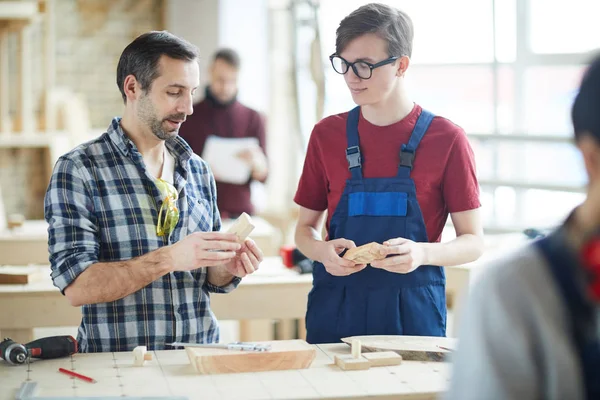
(356,348)
(140,355)
(22,275)
(242,227)
(284,355)
(365,254)
(349,363)
(383,358)
(15,221)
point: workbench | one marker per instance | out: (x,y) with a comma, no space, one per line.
(169,373)
(273,292)
(276,293)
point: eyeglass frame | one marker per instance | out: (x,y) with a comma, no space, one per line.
(351,65)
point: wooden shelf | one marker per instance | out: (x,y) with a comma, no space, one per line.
(31,140)
(25,11)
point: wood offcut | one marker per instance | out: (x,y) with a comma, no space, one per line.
(284,355)
(365,254)
(242,227)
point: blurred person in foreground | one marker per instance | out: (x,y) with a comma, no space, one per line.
(532,326)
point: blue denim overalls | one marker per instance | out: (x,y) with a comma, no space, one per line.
(374,301)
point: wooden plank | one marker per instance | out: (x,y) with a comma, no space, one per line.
(365,254)
(22,275)
(5,122)
(25,121)
(284,355)
(18,10)
(420,348)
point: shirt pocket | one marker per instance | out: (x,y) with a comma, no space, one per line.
(200,217)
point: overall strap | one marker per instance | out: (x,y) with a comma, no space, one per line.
(353,151)
(407,152)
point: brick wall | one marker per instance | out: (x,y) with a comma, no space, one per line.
(90,36)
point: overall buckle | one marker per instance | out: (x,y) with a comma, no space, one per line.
(353,157)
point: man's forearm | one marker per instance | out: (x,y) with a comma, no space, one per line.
(219,276)
(106,282)
(463,249)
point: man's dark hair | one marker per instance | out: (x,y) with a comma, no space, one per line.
(140,58)
(586,108)
(390,24)
(230,56)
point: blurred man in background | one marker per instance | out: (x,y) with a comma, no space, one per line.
(221,122)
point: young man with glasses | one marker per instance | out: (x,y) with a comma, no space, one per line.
(133,220)
(386,172)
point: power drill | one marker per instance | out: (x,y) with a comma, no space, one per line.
(46,348)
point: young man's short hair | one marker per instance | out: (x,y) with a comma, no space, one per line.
(140,58)
(390,24)
(586,108)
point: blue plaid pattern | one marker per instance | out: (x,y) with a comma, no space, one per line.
(102,206)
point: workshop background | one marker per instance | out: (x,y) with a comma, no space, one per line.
(506,71)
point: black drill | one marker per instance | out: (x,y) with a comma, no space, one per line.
(46,348)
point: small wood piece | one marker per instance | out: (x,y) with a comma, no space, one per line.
(140,355)
(242,227)
(365,254)
(356,348)
(349,363)
(15,221)
(22,275)
(284,355)
(383,358)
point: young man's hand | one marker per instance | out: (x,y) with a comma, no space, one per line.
(334,264)
(407,256)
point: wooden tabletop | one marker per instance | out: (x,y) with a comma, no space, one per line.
(170,374)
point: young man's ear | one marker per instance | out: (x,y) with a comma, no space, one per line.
(403,63)
(132,88)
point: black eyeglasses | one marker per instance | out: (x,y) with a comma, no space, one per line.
(362,69)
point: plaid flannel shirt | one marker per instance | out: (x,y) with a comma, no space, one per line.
(102,206)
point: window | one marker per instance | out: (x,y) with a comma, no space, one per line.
(505,73)
(559,26)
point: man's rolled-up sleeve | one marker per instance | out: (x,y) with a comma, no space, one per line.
(72,226)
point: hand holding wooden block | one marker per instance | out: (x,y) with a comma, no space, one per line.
(365,254)
(242,227)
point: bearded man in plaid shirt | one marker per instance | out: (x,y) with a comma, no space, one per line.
(133,218)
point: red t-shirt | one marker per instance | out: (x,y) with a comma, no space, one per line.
(443,169)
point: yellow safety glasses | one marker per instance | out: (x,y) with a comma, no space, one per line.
(168,216)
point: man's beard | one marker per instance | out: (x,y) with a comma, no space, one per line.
(147,114)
